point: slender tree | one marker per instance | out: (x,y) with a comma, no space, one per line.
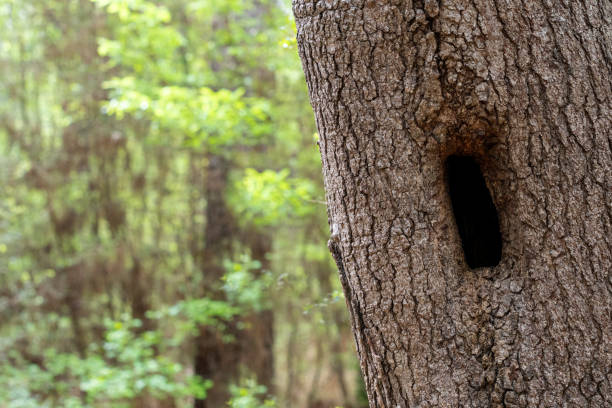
(467,159)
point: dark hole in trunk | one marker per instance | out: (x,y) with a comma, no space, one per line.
(474,211)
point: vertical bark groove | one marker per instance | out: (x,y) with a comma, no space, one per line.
(397,86)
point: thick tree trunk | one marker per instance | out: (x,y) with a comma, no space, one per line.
(524,88)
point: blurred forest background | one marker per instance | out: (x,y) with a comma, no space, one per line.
(162,220)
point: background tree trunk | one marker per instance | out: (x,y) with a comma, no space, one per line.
(257,339)
(221,360)
(522,87)
(216,358)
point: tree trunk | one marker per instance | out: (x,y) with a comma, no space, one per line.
(216,358)
(257,339)
(219,359)
(523,88)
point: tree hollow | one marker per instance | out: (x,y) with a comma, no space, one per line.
(474,211)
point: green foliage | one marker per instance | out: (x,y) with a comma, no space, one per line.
(124,367)
(243,287)
(110,113)
(188,316)
(249,395)
(270,197)
(160,88)
(143,40)
(199,115)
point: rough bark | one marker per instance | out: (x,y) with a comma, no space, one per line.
(524,87)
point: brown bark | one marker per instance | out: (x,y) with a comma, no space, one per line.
(138,295)
(257,340)
(216,358)
(524,88)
